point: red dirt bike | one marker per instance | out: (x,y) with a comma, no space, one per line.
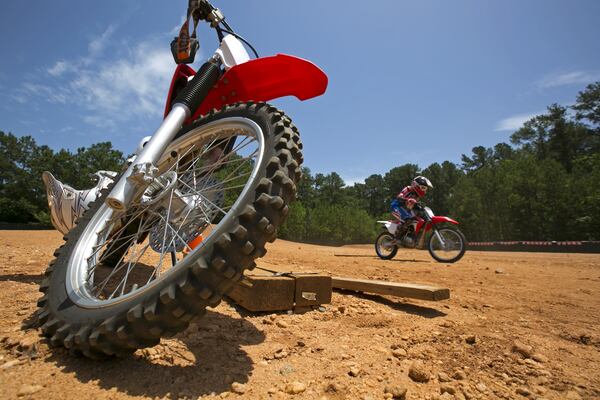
(192,209)
(446,244)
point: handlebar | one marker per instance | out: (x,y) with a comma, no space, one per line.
(202,10)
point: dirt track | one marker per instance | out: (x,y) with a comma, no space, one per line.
(550,302)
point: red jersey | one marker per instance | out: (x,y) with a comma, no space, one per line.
(407,193)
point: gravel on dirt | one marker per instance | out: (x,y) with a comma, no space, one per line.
(535,327)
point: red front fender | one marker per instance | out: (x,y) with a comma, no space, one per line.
(438,220)
(261,79)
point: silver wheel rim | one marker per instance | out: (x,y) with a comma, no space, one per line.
(452,246)
(385,245)
(83,285)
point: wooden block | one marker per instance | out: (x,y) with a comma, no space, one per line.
(278,293)
(266,293)
(409,290)
(312,289)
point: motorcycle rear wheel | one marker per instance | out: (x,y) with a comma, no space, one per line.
(385,247)
(453,249)
(78,312)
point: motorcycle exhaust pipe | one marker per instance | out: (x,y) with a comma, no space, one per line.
(142,170)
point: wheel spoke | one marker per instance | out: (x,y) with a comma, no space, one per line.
(208,175)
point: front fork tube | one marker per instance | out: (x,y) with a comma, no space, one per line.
(143,170)
(437,234)
(421,244)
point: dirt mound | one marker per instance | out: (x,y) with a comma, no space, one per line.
(529,331)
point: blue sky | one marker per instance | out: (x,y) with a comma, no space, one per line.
(419,81)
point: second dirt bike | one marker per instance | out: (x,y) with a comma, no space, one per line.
(445,242)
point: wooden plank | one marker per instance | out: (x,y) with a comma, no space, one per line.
(409,290)
(312,289)
(264,293)
(279,293)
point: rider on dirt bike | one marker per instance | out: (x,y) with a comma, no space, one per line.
(408,197)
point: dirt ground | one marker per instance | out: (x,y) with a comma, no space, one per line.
(518,325)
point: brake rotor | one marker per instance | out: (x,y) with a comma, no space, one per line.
(204,201)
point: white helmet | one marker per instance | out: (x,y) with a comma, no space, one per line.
(67,204)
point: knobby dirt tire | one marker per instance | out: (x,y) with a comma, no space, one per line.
(167,308)
(377,250)
(454,259)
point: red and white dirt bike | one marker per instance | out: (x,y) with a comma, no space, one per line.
(193,209)
(445,243)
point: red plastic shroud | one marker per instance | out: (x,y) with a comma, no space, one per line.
(261,79)
(437,219)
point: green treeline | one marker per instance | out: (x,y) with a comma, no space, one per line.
(544,185)
(22,161)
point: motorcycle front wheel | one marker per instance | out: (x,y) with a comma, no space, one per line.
(385,246)
(450,248)
(123,280)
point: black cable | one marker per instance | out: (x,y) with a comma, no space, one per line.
(228,30)
(219,33)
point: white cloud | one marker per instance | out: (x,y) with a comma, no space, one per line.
(113,86)
(99,122)
(97,45)
(353,180)
(59,68)
(514,122)
(39,91)
(135,84)
(568,78)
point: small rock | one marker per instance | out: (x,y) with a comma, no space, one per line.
(443,377)
(342,309)
(300,343)
(572,395)
(399,353)
(481,387)
(10,364)
(445,396)
(523,349)
(499,271)
(354,371)
(26,390)
(397,392)
(471,339)
(530,362)
(322,309)
(238,388)
(539,389)
(523,391)
(447,389)
(459,375)
(281,324)
(272,390)
(295,388)
(287,369)
(418,373)
(540,358)
(334,387)
(468,393)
